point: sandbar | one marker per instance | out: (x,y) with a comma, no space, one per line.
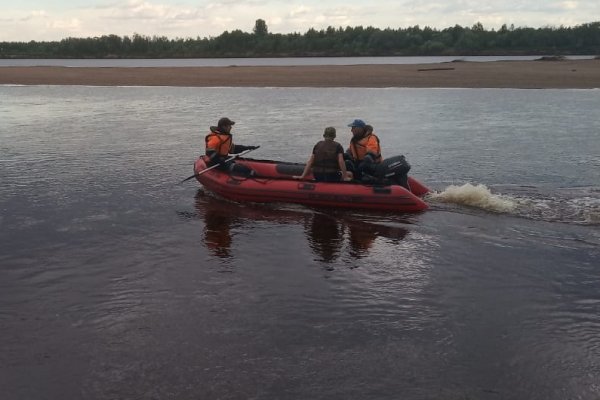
(563,74)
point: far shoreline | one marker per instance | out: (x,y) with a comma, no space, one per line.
(562,74)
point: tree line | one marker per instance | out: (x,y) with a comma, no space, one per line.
(348,41)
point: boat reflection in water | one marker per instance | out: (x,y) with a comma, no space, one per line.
(325,236)
(326,230)
(217,233)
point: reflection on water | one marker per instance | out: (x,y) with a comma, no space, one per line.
(217,232)
(222,217)
(325,236)
(327,231)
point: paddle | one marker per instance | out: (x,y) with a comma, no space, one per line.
(216,165)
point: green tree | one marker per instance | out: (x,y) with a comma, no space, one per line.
(343,41)
(260,28)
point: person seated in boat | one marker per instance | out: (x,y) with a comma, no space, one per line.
(327,160)
(364,151)
(219,144)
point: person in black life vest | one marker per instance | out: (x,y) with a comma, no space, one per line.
(327,160)
(364,152)
(219,144)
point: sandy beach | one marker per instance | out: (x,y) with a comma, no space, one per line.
(581,74)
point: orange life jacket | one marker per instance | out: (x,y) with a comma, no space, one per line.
(220,142)
(368,144)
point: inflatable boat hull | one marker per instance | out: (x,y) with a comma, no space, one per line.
(274,183)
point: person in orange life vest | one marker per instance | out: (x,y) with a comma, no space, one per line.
(327,160)
(219,144)
(364,152)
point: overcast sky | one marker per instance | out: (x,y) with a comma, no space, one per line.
(38,20)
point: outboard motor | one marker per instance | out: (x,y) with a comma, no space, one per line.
(393,170)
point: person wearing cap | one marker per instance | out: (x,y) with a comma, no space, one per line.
(364,152)
(219,144)
(327,160)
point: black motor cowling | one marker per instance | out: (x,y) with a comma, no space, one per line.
(393,170)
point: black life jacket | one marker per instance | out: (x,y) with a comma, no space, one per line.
(326,157)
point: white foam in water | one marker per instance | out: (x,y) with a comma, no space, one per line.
(580,210)
(475,196)
(590,209)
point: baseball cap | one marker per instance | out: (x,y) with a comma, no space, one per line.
(225,121)
(359,123)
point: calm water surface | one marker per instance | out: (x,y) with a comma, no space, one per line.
(116,282)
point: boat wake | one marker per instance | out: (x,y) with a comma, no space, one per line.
(569,205)
(575,207)
(478,196)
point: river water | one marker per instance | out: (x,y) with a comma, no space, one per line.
(117,282)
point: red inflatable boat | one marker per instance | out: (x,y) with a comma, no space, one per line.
(274,183)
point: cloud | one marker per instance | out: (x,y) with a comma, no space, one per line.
(569,5)
(33,15)
(142,10)
(300,11)
(69,25)
(192,18)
